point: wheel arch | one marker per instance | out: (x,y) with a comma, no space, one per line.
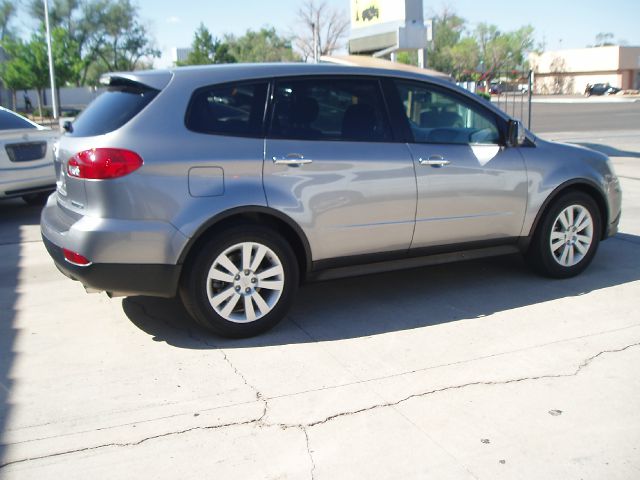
(257,215)
(580,185)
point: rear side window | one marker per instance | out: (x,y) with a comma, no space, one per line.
(230,109)
(9,121)
(111,110)
(349,109)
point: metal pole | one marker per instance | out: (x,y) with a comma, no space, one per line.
(316,57)
(54,96)
(530,95)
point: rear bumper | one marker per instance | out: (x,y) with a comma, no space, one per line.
(120,279)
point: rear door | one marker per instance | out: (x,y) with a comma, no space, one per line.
(332,165)
(471,187)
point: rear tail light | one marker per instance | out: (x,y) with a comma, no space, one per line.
(103,163)
(75,258)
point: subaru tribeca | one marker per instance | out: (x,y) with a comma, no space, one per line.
(229,185)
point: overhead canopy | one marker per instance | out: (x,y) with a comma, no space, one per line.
(366,61)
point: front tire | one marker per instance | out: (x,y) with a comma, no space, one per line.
(567,239)
(241,282)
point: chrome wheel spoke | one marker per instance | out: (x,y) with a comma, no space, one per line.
(570,217)
(584,239)
(221,297)
(272,272)
(215,274)
(583,225)
(262,305)
(582,248)
(257,260)
(227,263)
(565,255)
(272,284)
(557,240)
(248,309)
(247,248)
(231,304)
(564,220)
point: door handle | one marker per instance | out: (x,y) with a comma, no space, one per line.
(435,161)
(292,160)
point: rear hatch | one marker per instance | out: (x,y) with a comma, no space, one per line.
(127,95)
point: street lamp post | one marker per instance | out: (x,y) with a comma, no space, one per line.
(54,96)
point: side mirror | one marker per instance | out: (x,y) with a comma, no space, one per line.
(67,126)
(517,135)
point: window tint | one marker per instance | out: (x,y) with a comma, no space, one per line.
(232,109)
(329,109)
(438,117)
(111,110)
(9,121)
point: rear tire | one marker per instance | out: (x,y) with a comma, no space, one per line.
(241,282)
(567,238)
(36,199)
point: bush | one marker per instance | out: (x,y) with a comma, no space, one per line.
(485,95)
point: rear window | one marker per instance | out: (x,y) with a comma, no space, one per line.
(111,110)
(230,109)
(9,121)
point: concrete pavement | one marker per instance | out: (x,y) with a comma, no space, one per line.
(473,370)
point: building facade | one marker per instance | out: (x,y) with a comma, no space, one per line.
(569,71)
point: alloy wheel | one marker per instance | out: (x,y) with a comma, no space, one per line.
(571,235)
(245,282)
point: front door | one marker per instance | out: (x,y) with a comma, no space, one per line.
(471,188)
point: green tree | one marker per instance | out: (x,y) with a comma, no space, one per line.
(447,32)
(7,14)
(499,51)
(120,41)
(464,57)
(604,39)
(31,60)
(206,49)
(15,71)
(103,35)
(265,45)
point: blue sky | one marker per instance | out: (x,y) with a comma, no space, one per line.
(558,23)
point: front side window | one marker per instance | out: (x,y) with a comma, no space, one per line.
(438,117)
(346,109)
(230,109)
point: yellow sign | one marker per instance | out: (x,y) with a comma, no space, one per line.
(365,13)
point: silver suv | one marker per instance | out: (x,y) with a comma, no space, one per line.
(228,185)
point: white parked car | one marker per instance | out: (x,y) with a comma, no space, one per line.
(26,158)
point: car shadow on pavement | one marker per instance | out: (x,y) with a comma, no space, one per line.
(401,300)
(608,150)
(14,214)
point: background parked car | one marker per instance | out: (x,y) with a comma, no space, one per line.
(600,89)
(26,158)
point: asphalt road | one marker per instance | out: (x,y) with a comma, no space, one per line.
(478,370)
(580,117)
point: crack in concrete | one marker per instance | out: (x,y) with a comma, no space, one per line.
(309,452)
(131,444)
(204,341)
(465,385)
(304,427)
